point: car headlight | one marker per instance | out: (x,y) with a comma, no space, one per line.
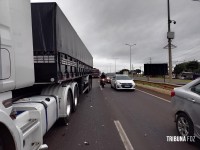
(118,83)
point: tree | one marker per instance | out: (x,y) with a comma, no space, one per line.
(138,71)
(191,66)
(197,70)
(179,68)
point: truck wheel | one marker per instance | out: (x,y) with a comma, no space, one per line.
(89,86)
(6,139)
(184,125)
(68,108)
(75,102)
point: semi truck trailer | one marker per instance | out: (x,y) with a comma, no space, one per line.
(44,67)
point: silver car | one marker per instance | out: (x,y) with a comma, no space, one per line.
(186,106)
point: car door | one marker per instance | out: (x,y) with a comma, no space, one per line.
(194,97)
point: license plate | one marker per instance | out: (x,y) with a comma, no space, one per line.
(126,86)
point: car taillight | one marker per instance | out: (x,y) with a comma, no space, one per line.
(172,93)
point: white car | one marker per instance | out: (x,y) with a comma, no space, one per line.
(120,81)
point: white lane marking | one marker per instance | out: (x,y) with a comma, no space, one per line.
(155,96)
(124,138)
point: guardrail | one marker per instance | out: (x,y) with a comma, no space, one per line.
(165,86)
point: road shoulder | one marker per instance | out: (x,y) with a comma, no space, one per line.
(155,92)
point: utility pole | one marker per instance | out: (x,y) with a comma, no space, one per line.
(170,36)
(150,60)
(130,45)
(115,63)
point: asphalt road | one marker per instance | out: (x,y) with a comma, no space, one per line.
(118,120)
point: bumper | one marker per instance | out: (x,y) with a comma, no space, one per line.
(120,87)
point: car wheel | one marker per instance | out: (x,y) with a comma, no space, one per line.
(184,125)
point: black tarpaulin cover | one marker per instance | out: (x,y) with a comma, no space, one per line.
(52,32)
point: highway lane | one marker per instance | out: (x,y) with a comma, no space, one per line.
(91,127)
(145,119)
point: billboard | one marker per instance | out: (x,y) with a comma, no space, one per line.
(156,69)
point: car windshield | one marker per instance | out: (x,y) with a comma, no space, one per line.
(122,78)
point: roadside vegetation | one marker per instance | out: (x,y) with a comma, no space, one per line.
(192,66)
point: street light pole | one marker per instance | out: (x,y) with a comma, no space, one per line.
(169,45)
(115,63)
(170,36)
(130,45)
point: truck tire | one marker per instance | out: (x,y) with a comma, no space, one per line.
(89,86)
(6,139)
(75,99)
(68,108)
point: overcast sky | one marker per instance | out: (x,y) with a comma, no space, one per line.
(106,25)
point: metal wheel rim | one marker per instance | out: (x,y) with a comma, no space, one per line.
(68,106)
(183,126)
(75,98)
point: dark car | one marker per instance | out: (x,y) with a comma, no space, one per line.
(109,76)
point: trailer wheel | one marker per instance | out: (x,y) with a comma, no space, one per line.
(75,101)
(68,108)
(6,139)
(89,86)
